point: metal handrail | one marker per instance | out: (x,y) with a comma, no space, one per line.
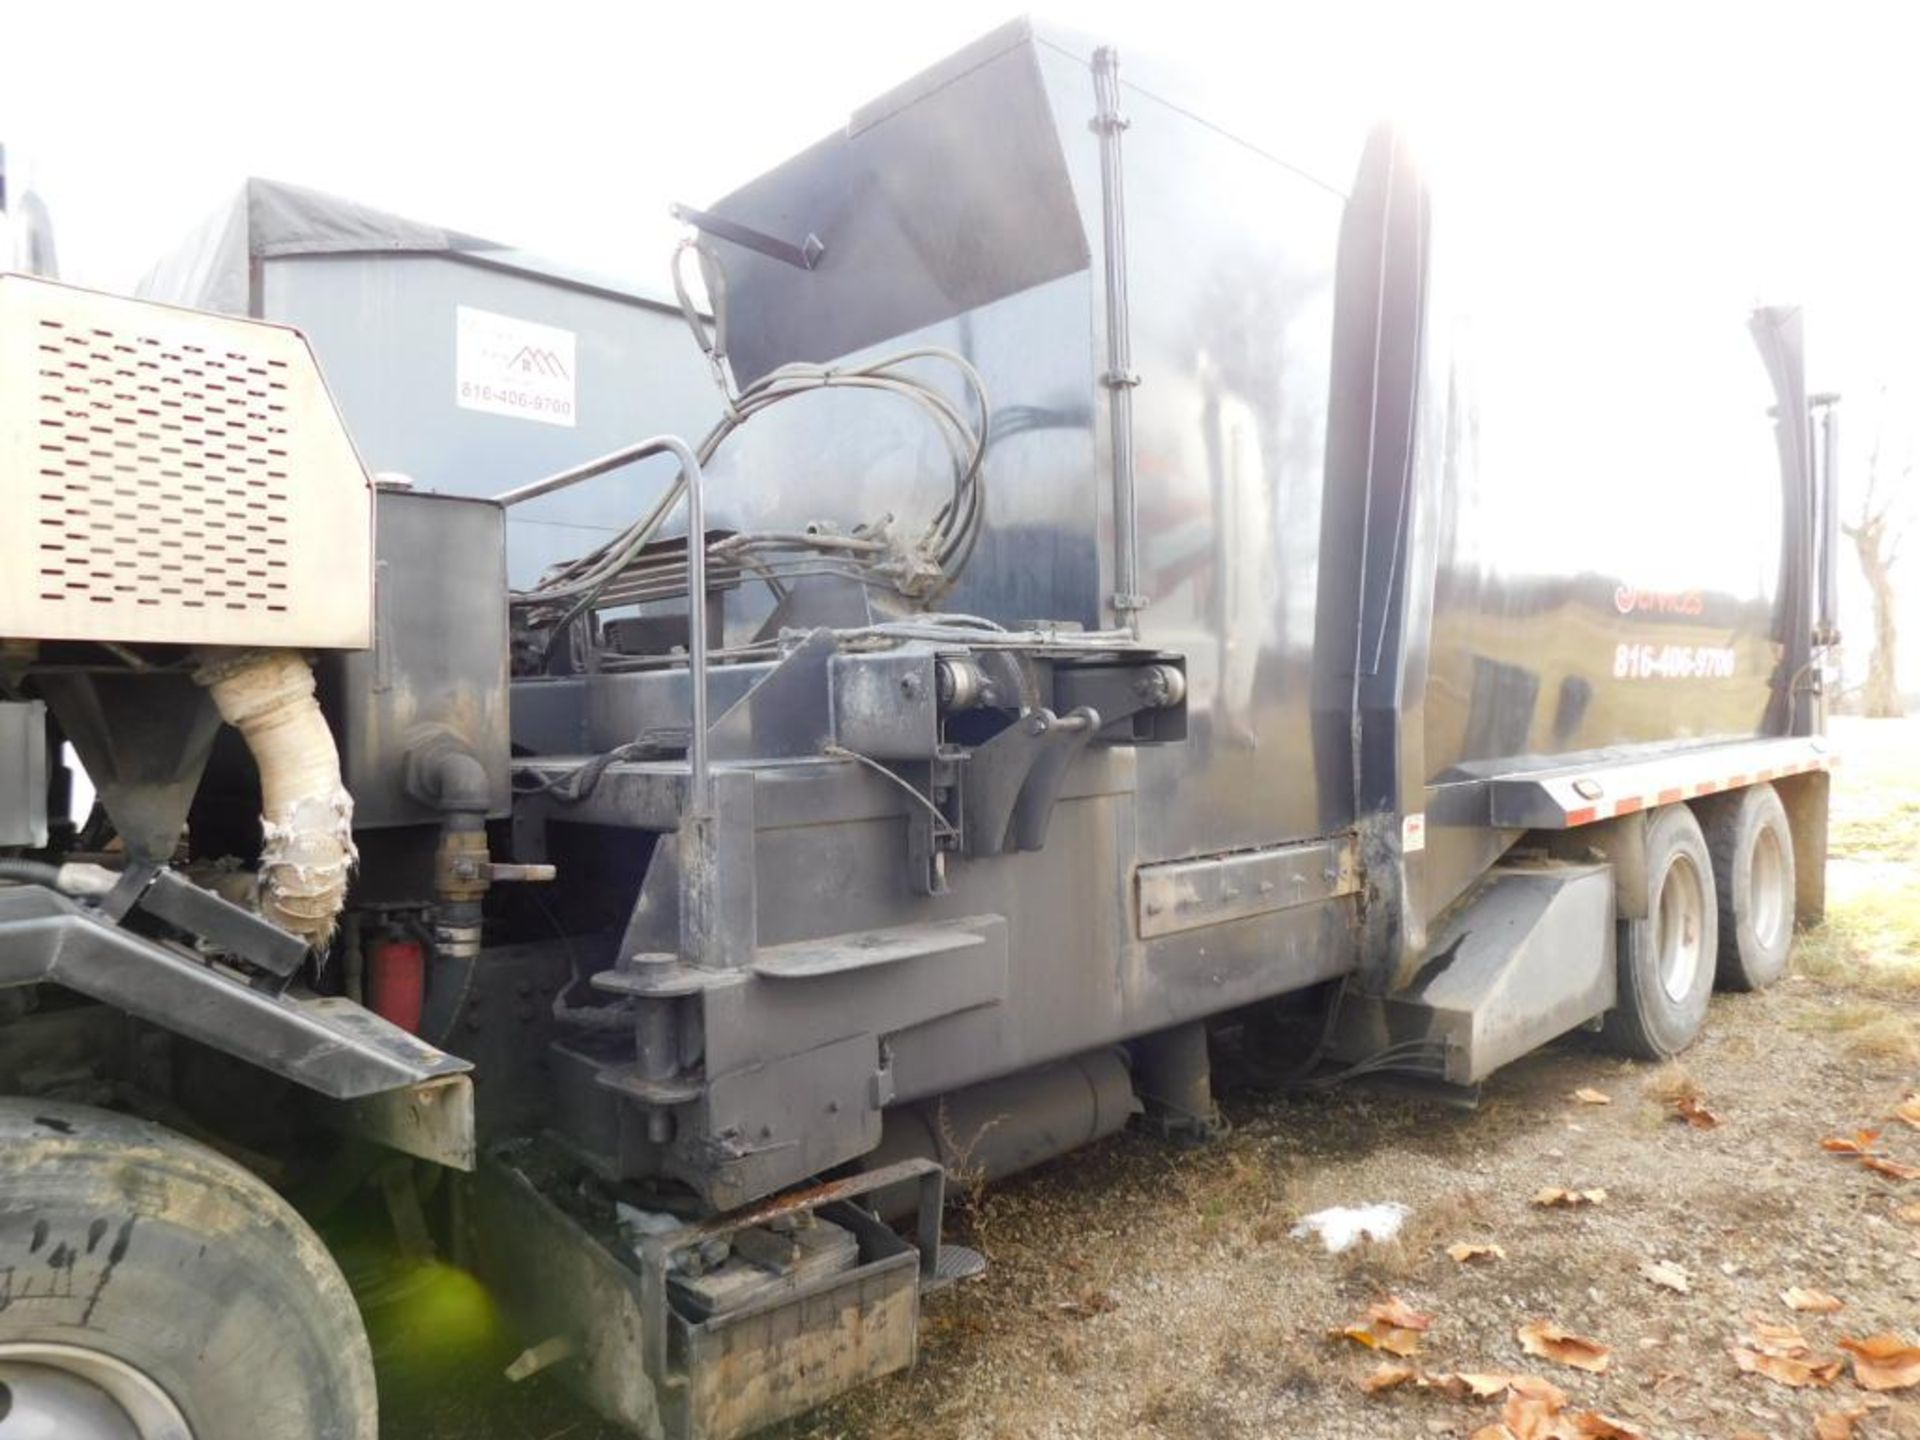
(695,481)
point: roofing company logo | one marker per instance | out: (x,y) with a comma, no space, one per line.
(518,368)
(1626,600)
(529,360)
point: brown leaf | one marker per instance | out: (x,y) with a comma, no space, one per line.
(1461,1385)
(1837,1424)
(1884,1362)
(1387,1375)
(1668,1275)
(1858,1143)
(1553,1196)
(1892,1168)
(1533,1387)
(1771,1339)
(1466,1252)
(1544,1338)
(1530,1418)
(1587,1096)
(1689,1109)
(1604,1427)
(1386,1337)
(1816,1301)
(1786,1370)
(1909,1110)
(1397,1313)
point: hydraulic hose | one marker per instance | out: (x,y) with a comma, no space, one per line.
(306,816)
(69,879)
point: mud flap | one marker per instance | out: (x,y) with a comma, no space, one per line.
(1526,956)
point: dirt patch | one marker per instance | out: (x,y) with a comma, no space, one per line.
(1220,1325)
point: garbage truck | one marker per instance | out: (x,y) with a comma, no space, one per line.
(1123,601)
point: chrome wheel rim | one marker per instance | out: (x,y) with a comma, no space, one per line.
(1680,924)
(1767,889)
(68,1392)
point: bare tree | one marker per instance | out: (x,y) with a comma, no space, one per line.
(1876,541)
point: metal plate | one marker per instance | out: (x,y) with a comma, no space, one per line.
(175,477)
(1188,894)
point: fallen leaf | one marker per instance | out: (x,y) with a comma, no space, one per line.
(1387,1338)
(1387,1375)
(1527,1417)
(1544,1338)
(1668,1275)
(1909,1110)
(1462,1385)
(1858,1143)
(1396,1312)
(1884,1362)
(1466,1252)
(1816,1301)
(1892,1168)
(1837,1424)
(1689,1109)
(1604,1427)
(1390,1325)
(1568,1199)
(1786,1370)
(1908,1214)
(1771,1339)
(1588,1096)
(1533,1387)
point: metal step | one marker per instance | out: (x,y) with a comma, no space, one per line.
(861,949)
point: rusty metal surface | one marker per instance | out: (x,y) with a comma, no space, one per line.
(1189,894)
(432,1120)
(557,1280)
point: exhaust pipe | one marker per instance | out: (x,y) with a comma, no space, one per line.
(306,819)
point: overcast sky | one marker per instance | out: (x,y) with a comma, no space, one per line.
(1767,149)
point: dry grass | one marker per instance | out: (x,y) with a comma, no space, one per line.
(1871,939)
(1867,1029)
(1671,1084)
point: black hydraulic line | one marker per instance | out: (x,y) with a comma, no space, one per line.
(31,872)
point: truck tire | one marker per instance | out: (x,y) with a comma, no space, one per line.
(1667,961)
(157,1291)
(1752,849)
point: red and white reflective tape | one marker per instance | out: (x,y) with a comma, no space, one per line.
(1674,794)
(1565,799)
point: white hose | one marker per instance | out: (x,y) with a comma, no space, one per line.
(306,817)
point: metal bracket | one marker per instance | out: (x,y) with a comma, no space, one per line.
(1011,783)
(803,256)
(325,1043)
(169,896)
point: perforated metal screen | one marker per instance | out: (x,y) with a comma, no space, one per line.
(169,475)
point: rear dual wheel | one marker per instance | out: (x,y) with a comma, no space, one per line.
(1720,890)
(1753,873)
(1667,960)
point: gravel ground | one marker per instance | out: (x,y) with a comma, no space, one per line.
(1137,1289)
